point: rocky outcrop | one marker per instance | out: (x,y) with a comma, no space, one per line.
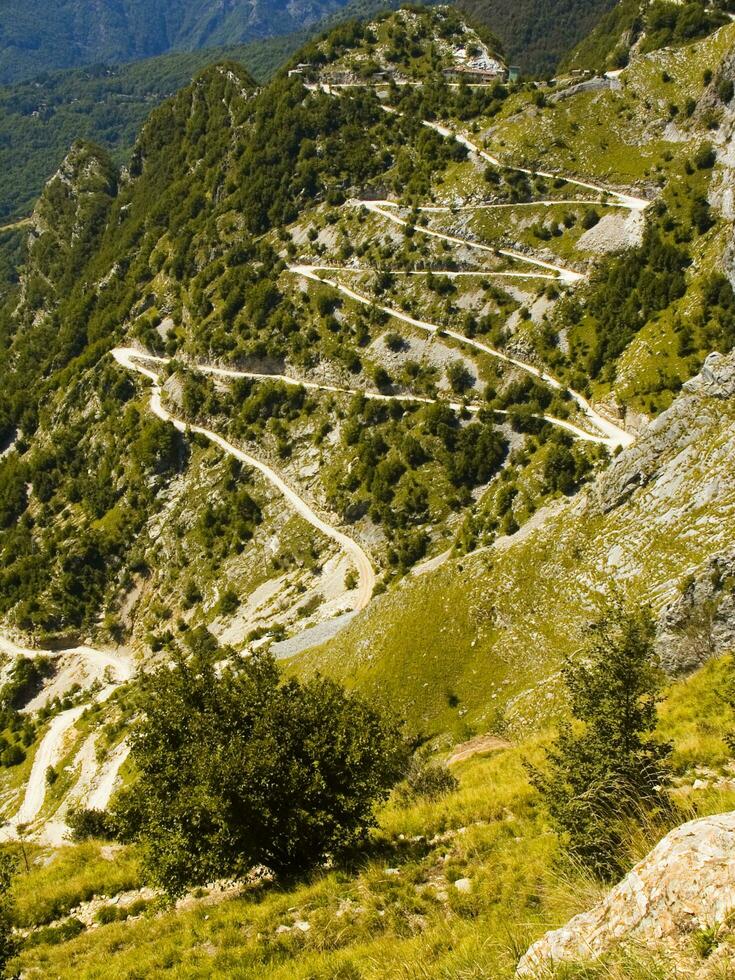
(700,623)
(65,228)
(673,434)
(686,883)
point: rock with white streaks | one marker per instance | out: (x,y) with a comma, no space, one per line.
(687,882)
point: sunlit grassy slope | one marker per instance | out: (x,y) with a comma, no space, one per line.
(396,911)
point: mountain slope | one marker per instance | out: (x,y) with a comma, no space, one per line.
(397,378)
(634,26)
(80,32)
(537,34)
(106,104)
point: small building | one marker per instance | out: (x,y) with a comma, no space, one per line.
(514,73)
(473,75)
(301,69)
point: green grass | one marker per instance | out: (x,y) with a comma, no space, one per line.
(365,922)
(73,875)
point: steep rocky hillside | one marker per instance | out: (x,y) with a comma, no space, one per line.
(632,26)
(397,370)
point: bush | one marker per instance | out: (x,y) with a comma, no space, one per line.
(590,218)
(87,823)
(394,341)
(726,90)
(459,377)
(705,157)
(237,768)
(55,935)
(12,756)
(228,603)
(427,780)
(110,913)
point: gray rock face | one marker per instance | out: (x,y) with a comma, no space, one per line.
(675,430)
(716,379)
(687,882)
(701,623)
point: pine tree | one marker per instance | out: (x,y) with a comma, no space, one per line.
(606,768)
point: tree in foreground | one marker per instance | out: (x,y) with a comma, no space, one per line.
(237,768)
(8,941)
(605,769)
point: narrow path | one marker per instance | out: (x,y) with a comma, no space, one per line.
(449,273)
(21,223)
(104,782)
(234,373)
(125,356)
(613,435)
(541,202)
(49,752)
(473,407)
(623,200)
(566,275)
(120,664)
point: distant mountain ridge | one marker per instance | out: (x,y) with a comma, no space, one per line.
(68,33)
(38,36)
(537,34)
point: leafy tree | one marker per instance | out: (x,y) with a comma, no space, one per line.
(8,942)
(702,218)
(459,377)
(605,767)
(236,768)
(590,218)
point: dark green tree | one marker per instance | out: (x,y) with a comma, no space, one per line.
(236,768)
(8,942)
(606,768)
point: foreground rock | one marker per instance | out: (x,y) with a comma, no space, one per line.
(686,883)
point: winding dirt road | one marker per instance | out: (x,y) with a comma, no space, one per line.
(612,434)
(49,753)
(126,357)
(622,200)
(565,275)
(114,665)
(120,664)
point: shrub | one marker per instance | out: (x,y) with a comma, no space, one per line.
(590,218)
(86,823)
(110,913)
(726,90)
(705,157)
(459,377)
(429,781)
(12,756)
(228,603)
(608,770)
(55,935)
(237,768)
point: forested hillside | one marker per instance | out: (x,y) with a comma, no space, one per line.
(634,26)
(537,34)
(365,429)
(107,104)
(80,32)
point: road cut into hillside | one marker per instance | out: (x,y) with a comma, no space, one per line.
(126,357)
(610,434)
(561,273)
